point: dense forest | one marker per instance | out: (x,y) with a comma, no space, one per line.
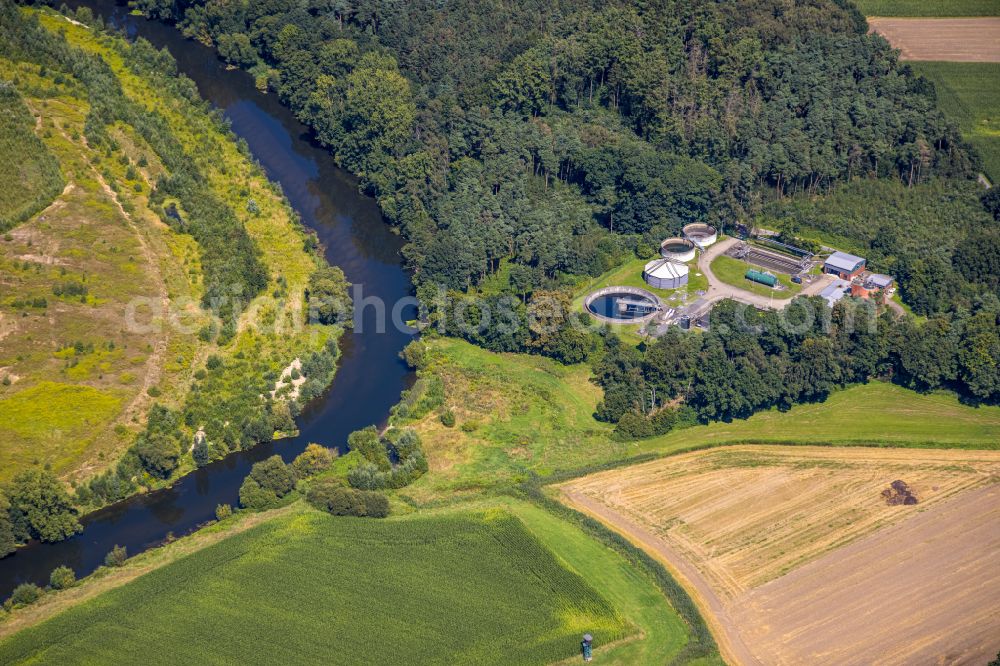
(542,141)
(520,146)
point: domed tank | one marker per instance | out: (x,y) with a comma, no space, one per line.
(677,249)
(701,235)
(665,274)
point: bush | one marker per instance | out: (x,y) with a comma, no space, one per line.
(117,557)
(268,481)
(312,461)
(223,511)
(368,443)
(62,578)
(448,419)
(367,477)
(24,594)
(334,498)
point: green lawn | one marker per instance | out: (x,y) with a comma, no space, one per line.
(929,7)
(733,271)
(968,94)
(311,588)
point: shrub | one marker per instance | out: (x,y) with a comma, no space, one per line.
(312,461)
(448,418)
(200,450)
(367,442)
(223,511)
(158,453)
(334,498)
(41,508)
(62,578)
(24,594)
(268,481)
(116,557)
(368,477)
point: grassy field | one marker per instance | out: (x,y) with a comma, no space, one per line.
(472,588)
(929,7)
(875,414)
(519,415)
(733,271)
(29,178)
(969,95)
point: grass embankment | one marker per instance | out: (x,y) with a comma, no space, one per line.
(733,272)
(452,588)
(968,94)
(102,237)
(929,8)
(519,415)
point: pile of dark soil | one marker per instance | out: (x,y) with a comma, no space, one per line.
(898,493)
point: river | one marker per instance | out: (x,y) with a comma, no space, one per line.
(370,374)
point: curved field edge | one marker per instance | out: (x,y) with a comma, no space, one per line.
(641,622)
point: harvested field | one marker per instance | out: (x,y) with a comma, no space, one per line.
(948,39)
(738,523)
(925,591)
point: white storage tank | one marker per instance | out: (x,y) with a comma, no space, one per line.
(665,274)
(701,235)
(677,249)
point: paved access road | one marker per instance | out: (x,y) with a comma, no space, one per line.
(719,290)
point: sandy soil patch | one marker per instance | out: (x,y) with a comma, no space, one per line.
(736,520)
(949,39)
(286,380)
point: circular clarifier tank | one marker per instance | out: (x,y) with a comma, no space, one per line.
(622,304)
(677,249)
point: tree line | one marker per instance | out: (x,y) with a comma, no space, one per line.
(751,360)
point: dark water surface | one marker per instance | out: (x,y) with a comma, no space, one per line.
(370,374)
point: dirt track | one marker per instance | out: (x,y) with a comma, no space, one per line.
(923,588)
(949,39)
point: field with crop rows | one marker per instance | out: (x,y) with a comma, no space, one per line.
(928,7)
(316,589)
(968,93)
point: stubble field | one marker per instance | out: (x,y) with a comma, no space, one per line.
(741,524)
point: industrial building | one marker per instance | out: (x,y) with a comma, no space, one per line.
(677,249)
(701,235)
(874,286)
(836,291)
(665,274)
(843,265)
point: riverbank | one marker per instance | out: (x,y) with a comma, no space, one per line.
(223,381)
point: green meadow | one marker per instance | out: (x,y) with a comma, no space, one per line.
(305,587)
